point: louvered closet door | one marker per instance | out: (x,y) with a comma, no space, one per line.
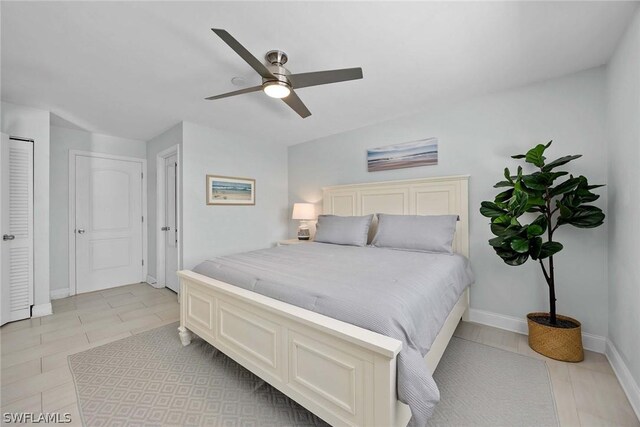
(16,217)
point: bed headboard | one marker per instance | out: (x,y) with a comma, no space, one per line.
(425,196)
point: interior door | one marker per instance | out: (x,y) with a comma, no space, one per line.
(16,220)
(171,226)
(108,223)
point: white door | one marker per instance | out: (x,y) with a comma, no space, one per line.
(16,220)
(108,223)
(171,226)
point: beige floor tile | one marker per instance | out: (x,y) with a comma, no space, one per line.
(596,362)
(558,370)
(36,384)
(31,403)
(58,360)
(153,326)
(565,403)
(41,350)
(18,340)
(21,324)
(119,300)
(58,397)
(160,300)
(21,371)
(119,328)
(105,322)
(145,311)
(171,314)
(62,323)
(600,395)
(121,289)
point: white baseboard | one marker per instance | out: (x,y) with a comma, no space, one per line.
(591,342)
(60,293)
(629,384)
(153,282)
(41,310)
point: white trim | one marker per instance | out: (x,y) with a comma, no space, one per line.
(591,342)
(59,293)
(72,210)
(151,280)
(41,310)
(628,383)
(160,217)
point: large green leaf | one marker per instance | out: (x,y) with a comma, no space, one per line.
(535,246)
(564,187)
(517,260)
(520,245)
(503,184)
(559,162)
(534,230)
(504,196)
(541,221)
(491,210)
(549,248)
(535,155)
(534,182)
(518,203)
(584,217)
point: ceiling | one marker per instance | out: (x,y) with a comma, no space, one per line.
(133,69)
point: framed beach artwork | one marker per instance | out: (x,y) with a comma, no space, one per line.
(406,155)
(228,190)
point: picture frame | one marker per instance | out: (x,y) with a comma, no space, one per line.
(230,190)
(423,152)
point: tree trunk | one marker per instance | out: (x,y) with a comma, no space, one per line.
(552,294)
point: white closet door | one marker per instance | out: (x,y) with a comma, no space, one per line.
(171,227)
(16,218)
(108,225)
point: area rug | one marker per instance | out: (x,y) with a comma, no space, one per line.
(150,379)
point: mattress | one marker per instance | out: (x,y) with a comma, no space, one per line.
(401,294)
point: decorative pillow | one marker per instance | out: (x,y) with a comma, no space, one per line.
(421,233)
(343,230)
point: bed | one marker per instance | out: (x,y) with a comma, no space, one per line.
(343,373)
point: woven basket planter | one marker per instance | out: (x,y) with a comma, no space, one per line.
(563,344)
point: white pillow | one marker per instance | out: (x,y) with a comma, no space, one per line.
(343,230)
(420,233)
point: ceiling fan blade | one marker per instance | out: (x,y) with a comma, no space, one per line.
(297,105)
(324,77)
(234,93)
(244,53)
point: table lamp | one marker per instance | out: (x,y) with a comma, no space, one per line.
(304,212)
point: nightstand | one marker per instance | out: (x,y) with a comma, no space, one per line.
(291,242)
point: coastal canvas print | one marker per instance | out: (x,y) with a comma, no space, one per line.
(407,155)
(227,190)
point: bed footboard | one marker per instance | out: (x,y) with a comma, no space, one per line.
(344,374)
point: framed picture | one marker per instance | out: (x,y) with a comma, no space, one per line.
(229,190)
(407,155)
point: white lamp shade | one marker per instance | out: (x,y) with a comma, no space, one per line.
(303,211)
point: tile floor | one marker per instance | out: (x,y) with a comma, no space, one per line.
(35,376)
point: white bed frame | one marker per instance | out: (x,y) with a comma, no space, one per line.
(344,374)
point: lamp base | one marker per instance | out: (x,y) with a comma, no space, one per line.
(303,234)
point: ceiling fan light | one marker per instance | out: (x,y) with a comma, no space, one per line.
(276,90)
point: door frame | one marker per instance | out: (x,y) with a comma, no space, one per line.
(72,209)
(160,211)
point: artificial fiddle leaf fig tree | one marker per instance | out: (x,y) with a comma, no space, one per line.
(553,198)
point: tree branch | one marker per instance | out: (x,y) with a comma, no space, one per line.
(544,271)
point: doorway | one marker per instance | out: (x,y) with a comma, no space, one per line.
(107,244)
(168,217)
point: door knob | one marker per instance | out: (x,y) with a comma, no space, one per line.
(80,230)
(165,228)
(8,237)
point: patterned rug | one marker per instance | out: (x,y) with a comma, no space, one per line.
(151,380)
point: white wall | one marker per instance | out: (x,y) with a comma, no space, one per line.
(167,139)
(623,88)
(32,123)
(63,140)
(217,230)
(477,137)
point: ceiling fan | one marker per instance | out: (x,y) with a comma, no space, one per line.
(277,81)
